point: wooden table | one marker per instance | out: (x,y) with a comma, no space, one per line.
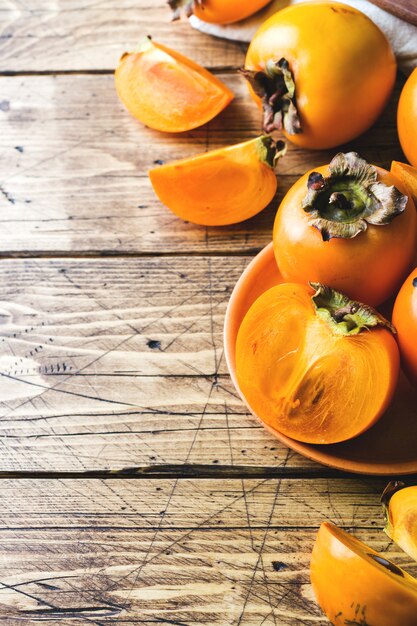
(135,488)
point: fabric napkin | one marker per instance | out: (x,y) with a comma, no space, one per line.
(401,34)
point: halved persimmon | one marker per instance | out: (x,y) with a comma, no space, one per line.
(306,368)
(221,187)
(217,11)
(166,91)
(354,584)
(400,503)
(349,225)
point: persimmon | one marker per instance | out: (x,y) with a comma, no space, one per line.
(217,11)
(350,225)
(323,72)
(407,118)
(166,91)
(354,584)
(306,368)
(400,504)
(405,319)
(407,175)
(220,187)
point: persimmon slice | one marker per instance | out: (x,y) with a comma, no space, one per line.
(308,369)
(407,174)
(220,187)
(167,91)
(354,584)
(400,504)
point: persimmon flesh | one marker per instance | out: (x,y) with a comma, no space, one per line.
(407,174)
(220,187)
(323,72)
(400,504)
(218,11)
(349,225)
(167,91)
(307,370)
(354,584)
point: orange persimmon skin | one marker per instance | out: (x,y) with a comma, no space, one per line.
(369,267)
(404,318)
(221,187)
(168,92)
(302,379)
(343,68)
(227,11)
(354,585)
(407,118)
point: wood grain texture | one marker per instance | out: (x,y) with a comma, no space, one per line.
(74,168)
(173,552)
(85,35)
(118,363)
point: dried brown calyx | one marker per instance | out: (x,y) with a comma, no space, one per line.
(270,151)
(186,6)
(351,197)
(276,88)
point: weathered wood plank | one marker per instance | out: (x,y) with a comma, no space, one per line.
(47,35)
(73,170)
(173,552)
(117,363)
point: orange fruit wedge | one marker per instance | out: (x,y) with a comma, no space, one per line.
(407,174)
(356,585)
(167,91)
(221,187)
(400,504)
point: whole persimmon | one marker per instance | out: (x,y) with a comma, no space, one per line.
(218,11)
(407,118)
(349,225)
(317,367)
(404,317)
(323,72)
(167,91)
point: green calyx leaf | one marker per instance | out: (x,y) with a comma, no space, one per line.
(270,151)
(187,6)
(343,315)
(351,197)
(276,88)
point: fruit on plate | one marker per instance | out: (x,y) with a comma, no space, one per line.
(407,174)
(322,70)
(166,91)
(400,504)
(407,118)
(223,186)
(315,365)
(217,11)
(350,225)
(405,319)
(354,584)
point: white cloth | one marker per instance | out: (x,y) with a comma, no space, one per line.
(401,34)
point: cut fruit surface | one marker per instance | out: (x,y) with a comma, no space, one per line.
(166,91)
(407,174)
(220,187)
(400,504)
(354,584)
(306,369)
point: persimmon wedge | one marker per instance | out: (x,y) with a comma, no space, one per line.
(407,174)
(167,91)
(354,584)
(220,187)
(400,503)
(317,367)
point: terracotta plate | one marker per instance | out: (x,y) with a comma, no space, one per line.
(389,447)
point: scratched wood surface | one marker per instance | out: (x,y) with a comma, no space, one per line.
(135,488)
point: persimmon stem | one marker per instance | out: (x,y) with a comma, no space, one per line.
(350,309)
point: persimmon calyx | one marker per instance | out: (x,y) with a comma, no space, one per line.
(351,197)
(270,151)
(343,315)
(276,88)
(187,6)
